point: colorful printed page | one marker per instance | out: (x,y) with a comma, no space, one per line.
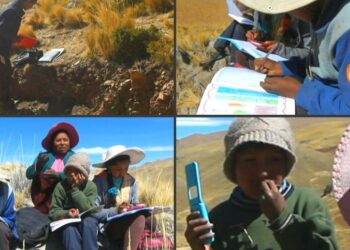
(236,14)
(252,50)
(237,91)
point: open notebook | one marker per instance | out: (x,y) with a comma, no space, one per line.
(60,223)
(236,14)
(144,210)
(237,91)
(249,48)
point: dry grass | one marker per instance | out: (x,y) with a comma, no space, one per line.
(159,6)
(74,18)
(26,30)
(157,189)
(199,21)
(103,17)
(55,13)
(19,183)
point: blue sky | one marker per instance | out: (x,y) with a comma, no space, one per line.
(20,138)
(186,126)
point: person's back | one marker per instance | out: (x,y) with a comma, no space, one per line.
(10,21)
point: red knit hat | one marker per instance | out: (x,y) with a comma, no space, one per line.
(62,126)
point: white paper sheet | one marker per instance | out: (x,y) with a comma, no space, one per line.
(236,14)
(252,50)
(52,54)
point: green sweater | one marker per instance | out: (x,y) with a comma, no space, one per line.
(64,198)
(304,224)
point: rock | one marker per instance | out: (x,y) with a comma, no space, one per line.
(80,110)
(108,83)
(139,81)
(160,97)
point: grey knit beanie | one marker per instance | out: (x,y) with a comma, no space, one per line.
(272,131)
(79,161)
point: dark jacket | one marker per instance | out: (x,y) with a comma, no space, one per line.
(10,21)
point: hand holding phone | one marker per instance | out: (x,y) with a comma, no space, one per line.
(195,194)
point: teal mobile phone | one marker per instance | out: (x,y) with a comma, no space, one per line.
(195,193)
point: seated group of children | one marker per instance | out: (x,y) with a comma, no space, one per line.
(113,188)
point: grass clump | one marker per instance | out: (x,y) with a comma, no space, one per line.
(161,51)
(131,43)
(159,6)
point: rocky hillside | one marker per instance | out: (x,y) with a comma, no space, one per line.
(84,81)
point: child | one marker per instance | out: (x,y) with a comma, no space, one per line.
(264,211)
(8,231)
(325,90)
(72,196)
(117,190)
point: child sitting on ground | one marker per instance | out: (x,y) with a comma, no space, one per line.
(8,231)
(72,196)
(264,211)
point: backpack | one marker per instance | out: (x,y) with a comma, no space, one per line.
(32,227)
(30,56)
(155,241)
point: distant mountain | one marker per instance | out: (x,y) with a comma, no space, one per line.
(316,139)
(164,167)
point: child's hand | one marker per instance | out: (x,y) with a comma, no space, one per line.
(268,46)
(283,86)
(124,207)
(253,35)
(267,66)
(196,231)
(271,201)
(73,212)
(76,180)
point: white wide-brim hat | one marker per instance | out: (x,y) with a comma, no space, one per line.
(275,6)
(136,155)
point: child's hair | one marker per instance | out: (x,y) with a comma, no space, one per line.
(271,131)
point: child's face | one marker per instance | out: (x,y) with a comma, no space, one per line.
(256,164)
(75,177)
(120,168)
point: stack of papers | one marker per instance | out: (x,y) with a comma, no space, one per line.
(50,55)
(237,91)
